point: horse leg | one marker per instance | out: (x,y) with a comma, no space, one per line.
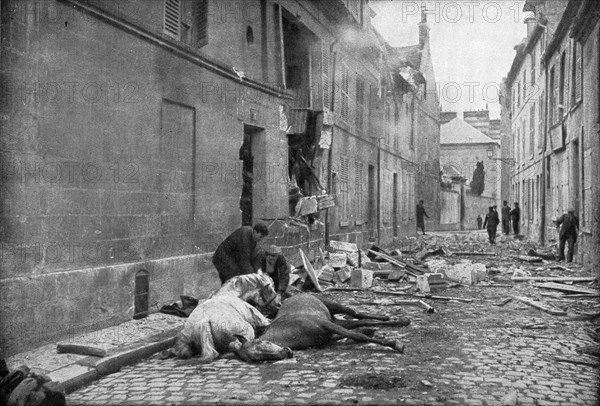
(368,331)
(356,336)
(352,324)
(336,308)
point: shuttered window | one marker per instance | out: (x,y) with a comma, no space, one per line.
(359,190)
(344,190)
(344,93)
(325,60)
(360,103)
(200,17)
(172,18)
(532,127)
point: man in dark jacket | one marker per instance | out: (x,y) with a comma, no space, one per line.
(491,220)
(515,217)
(235,255)
(272,262)
(505,218)
(420,213)
(569,227)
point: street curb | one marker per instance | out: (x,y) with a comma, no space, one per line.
(77,375)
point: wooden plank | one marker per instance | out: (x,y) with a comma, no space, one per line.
(460,299)
(541,306)
(409,269)
(82,349)
(552,279)
(567,288)
(503,302)
(310,270)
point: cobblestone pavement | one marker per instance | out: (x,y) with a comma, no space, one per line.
(463,354)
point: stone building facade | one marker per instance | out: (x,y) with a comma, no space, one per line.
(137,135)
(553,158)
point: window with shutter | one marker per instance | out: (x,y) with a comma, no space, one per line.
(541,121)
(533,56)
(172,18)
(200,17)
(359,190)
(578,73)
(344,93)
(325,69)
(360,101)
(531,130)
(344,188)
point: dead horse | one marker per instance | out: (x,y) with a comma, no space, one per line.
(305,320)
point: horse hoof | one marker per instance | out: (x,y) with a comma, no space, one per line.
(399,346)
(164,354)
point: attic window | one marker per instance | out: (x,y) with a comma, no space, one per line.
(249,36)
(172,18)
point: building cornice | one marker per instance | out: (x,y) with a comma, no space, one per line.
(562,29)
(180,50)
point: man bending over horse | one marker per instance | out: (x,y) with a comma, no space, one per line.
(273,263)
(235,255)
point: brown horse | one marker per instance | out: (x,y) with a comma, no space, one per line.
(218,321)
(305,320)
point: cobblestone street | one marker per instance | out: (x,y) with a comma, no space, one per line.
(465,353)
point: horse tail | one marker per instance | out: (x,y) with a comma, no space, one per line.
(181,349)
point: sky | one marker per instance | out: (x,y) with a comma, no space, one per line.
(472,44)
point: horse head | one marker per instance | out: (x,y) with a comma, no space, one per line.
(256,289)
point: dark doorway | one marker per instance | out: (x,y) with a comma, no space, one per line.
(142,292)
(247,176)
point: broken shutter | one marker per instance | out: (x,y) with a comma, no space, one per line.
(172,18)
(200,16)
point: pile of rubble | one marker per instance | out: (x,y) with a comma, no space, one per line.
(427,265)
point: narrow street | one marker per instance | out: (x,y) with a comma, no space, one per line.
(465,353)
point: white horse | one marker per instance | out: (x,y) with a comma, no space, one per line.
(216,322)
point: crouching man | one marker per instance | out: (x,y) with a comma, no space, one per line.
(272,262)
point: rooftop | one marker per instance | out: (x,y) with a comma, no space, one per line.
(456,131)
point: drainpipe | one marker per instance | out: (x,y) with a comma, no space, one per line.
(330,153)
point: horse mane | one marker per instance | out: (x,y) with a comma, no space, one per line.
(241,285)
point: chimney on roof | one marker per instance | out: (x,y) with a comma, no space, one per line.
(446,116)
(532,23)
(423,28)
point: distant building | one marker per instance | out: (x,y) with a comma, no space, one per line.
(461,147)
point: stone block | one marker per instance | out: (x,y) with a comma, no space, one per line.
(337,259)
(352,258)
(396,275)
(361,278)
(343,274)
(423,284)
(437,265)
(343,246)
(465,272)
(326,273)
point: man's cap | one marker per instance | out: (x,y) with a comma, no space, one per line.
(571,210)
(273,250)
